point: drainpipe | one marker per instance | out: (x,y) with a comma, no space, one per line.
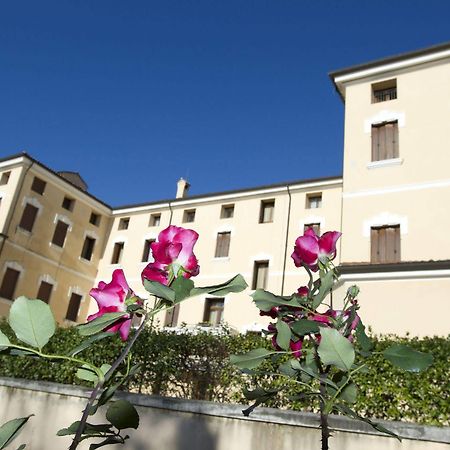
(171,213)
(286,240)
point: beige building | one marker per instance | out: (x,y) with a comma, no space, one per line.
(390,204)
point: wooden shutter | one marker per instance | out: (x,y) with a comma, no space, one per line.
(171,319)
(385,244)
(28,217)
(44,292)
(260,274)
(392,244)
(375,143)
(9,283)
(74,307)
(223,244)
(59,236)
(213,310)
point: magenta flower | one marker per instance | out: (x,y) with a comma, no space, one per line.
(303,291)
(296,348)
(310,249)
(173,253)
(111,298)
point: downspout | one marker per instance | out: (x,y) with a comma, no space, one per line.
(286,240)
(171,213)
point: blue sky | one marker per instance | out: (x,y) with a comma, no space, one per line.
(230,94)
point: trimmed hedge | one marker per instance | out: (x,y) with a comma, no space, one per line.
(197,367)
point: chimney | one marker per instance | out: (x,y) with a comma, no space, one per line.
(182,188)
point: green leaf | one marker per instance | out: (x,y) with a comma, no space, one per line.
(265,300)
(22,447)
(110,440)
(9,430)
(182,287)
(235,284)
(123,414)
(32,321)
(160,290)
(362,338)
(89,429)
(87,374)
(326,283)
(260,395)
(408,359)
(100,323)
(304,326)
(283,334)
(335,349)
(88,342)
(349,393)
(287,369)
(251,359)
(4,342)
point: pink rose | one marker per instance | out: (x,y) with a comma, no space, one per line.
(111,298)
(172,253)
(310,249)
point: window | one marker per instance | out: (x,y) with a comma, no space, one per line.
(9,283)
(155,220)
(314,201)
(171,318)
(117,252)
(266,211)
(223,244)
(385,244)
(260,274)
(227,212)
(68,203)
(385,141)
(189,215)
(5,178)
(384,91)
(314,226)
(147,255)
(124,222)
(213,311)
(74,307)
(45,291)
(28,217)
(38,185)
(88,248)
(95,219)
(59,236)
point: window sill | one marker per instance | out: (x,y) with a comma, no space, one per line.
(86,261)
(23,231)
(385,163)
(6,300)
(221,258)
(55,247)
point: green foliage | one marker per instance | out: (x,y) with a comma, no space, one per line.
(122,415)
(198,367)
(335,349)
(10,430)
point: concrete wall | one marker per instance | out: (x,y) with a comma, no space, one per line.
(174,424)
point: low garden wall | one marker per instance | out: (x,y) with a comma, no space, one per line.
(178,424)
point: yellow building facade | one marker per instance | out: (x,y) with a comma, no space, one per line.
(57,240)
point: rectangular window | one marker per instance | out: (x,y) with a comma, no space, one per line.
(4,178)
(124,222)
(155,220)
(147,254)
(28,217)
(385,141)
(314,226)
(223,244)
(384,91)
(74,307)
(68,203)
(260,274)
(117,252)
(45,291)
(266,211)
(213,312)
(38,185)
(385,244)
(95,219)
(171,318)
(59,236)
(88,248)
(314,201)
(9,283)
(189,215)
(227,212)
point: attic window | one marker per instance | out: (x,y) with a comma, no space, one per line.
(384,91)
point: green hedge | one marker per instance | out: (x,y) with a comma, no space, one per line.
(196,366)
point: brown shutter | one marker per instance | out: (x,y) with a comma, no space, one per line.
(74,307)
(45,290)
(171,319)
(59,236)
(375,144)
(223,244)
(9,283)
(393,244)
(28,217)
(395,140)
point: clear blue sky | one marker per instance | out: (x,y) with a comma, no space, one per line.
(230,94)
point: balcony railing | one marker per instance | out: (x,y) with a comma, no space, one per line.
(383,95)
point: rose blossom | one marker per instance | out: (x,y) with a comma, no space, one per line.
(111,298)
(172,253)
